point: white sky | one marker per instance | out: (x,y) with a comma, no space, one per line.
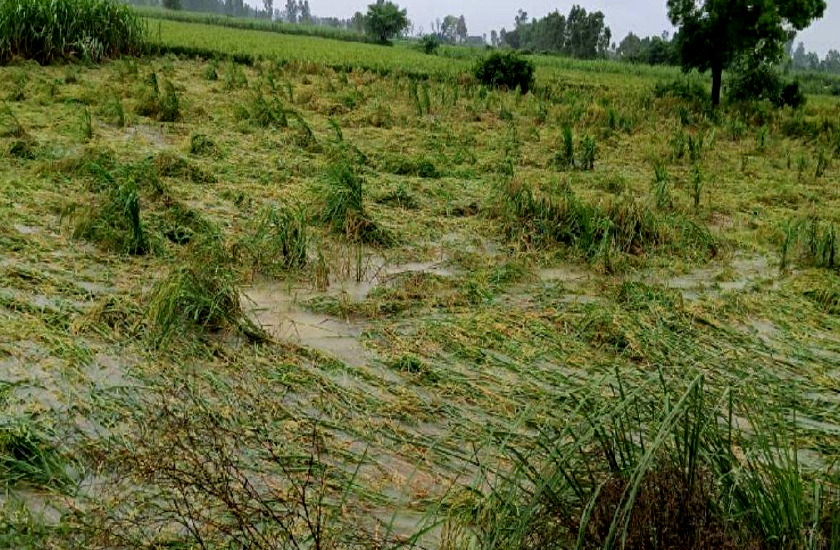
(644,17)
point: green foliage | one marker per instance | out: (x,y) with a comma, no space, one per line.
(385,20)
(682,88)
(756,79)
(27,456)
(714,34)
(61,29)
(588,150)
(280,240)
(505,70)
(565,157)
(199,293)
(344,209)
(623,225)
(114,221)
(158,101)
(430,44)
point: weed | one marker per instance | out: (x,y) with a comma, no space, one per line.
(201,145)
(678,144)
(339,135)
(211,71)
(170,165)
(696,185)
(695,148)
(114,111)
(158,101)
(234,77)
(823,162)
(588,150)
(661,188)
(344,208)
(10,126)
(268,112)
(280,241)
(27,456)
(565,158)
(86,125)
(115,221)
(17,86)
(200,292)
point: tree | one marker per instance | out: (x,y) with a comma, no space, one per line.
(494,38)
(172,4)
(291,11)
(304,14)
(714,33)
(269,7)
(449,29)
(461,29)
(385,20)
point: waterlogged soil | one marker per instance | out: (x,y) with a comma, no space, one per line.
(279,307)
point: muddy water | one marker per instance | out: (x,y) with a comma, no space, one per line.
(277,308)
(747,270)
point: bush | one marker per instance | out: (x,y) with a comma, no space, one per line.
(759,80)
(429,44)
(507,70)
(46,31)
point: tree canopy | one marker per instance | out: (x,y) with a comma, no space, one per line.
(580,34)
(385,20)
(714,33)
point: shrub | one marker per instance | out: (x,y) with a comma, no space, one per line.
(506,70)
(429,44)
(60,29)
(757,80)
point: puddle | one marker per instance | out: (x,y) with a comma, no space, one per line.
(562,274)
(279,312)
(277,308)
(26,229)
(145,133)
(745,270)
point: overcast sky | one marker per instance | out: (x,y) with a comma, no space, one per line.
(644,17)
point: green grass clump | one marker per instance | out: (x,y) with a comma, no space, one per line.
(61,29)
(622,224)
(200,293)
(815,242)
(27,456)
(419,167)
(201,145)
(158,100)
(344,209)
(114,221)
(170,165)
(280,240)
(660,465)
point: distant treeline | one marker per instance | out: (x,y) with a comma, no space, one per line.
(579,34)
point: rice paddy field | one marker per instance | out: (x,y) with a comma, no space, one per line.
(340,295)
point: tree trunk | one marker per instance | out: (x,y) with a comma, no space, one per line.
(717,77)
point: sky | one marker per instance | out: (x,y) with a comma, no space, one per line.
(644,17)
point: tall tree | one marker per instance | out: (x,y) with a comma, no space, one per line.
(461,29)
(268,5)
(449,29)
(385,20)
(291,11)
(713,33)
